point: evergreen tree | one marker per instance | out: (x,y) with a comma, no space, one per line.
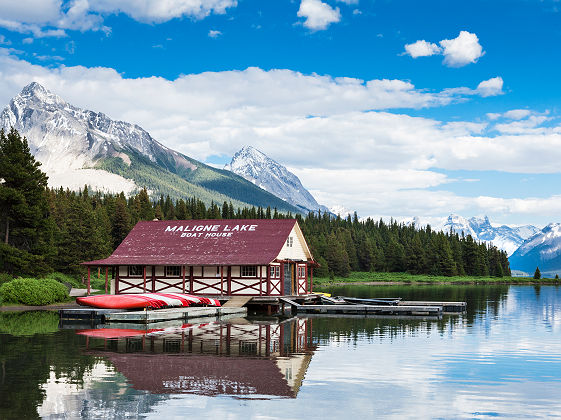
(145,209)
(121,222)
(25,226)
(537,274)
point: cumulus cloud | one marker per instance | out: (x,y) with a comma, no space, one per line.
(462,50)
(491,87)
(214,34)
(422,48)
(393,154)
(318,15)
(51,18)
(458,52)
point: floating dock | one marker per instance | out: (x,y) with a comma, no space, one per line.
(159,315)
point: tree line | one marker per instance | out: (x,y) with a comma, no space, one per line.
(46,229)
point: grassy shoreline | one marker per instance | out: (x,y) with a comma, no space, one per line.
(382,279)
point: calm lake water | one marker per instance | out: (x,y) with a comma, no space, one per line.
(500,359)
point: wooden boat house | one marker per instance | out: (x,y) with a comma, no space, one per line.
(212,257)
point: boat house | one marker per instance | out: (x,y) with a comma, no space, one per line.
(256,257)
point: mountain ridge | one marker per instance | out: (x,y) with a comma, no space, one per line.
(81,146)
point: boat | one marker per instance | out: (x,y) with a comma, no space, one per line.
(145,300)
(376,301)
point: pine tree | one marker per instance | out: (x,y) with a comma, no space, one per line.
(146,211)
(121,222)
(537,274)
(25,226)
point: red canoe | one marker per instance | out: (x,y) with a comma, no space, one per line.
(145,300)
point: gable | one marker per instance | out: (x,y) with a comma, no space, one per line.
(299,250)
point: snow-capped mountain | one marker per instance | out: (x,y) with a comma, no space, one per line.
(78,147)
(542,250)
(507,238)
(270,175)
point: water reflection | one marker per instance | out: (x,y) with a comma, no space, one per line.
(500,359)
(238,357)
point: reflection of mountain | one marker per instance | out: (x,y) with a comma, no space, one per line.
(235,358)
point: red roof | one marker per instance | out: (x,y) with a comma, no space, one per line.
(202,242)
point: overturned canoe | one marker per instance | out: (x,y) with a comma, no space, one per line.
(145,300)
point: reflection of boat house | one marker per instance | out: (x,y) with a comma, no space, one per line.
(213,257)
(238,358)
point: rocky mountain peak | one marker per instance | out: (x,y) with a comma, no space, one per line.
(257,167)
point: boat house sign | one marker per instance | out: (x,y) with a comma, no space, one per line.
(210,231)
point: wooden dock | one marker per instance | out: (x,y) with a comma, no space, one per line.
(145,317)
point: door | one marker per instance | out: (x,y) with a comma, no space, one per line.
(288,276)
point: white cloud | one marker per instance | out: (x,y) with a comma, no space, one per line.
(50,18)
(349,1)
(214,34)
(491,87)
(458,52)
(340,123)
(422,48)
(517,114)
(463,50)
(156,11)
(318,15)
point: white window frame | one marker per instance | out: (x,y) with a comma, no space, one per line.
(170,273)
(289,242)
(301,272)
(251,268)
(274,272)
(130,270)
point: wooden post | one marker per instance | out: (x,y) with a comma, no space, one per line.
(269,280)
(183,284)
(153,279)
(282,279)
(117,279)
(106,278)
(144,277)
(311,279)
(191,278)
(88,280)
(230,280)
(221,281)
(260,280)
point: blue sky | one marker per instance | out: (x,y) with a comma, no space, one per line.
(406,134)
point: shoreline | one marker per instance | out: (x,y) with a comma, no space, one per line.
(428,283)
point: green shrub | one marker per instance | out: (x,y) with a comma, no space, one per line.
(65,279)
(33,292)
(5,278)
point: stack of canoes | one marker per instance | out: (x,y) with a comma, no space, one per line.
(145,300)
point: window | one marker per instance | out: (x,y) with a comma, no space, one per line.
(249,271)
(173,271)
(275,271)
(301,272)
(289,242)
(136,270)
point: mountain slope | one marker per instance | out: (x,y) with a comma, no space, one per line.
(78,147)
(542,250)
(270,175)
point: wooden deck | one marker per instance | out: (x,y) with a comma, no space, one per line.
(159,315)
(418,310)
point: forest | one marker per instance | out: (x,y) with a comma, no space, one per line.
(45,230)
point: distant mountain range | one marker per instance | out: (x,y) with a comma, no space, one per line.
(78,147)
(270,175)
(542,250)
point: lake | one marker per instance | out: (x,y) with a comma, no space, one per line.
(502,358)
